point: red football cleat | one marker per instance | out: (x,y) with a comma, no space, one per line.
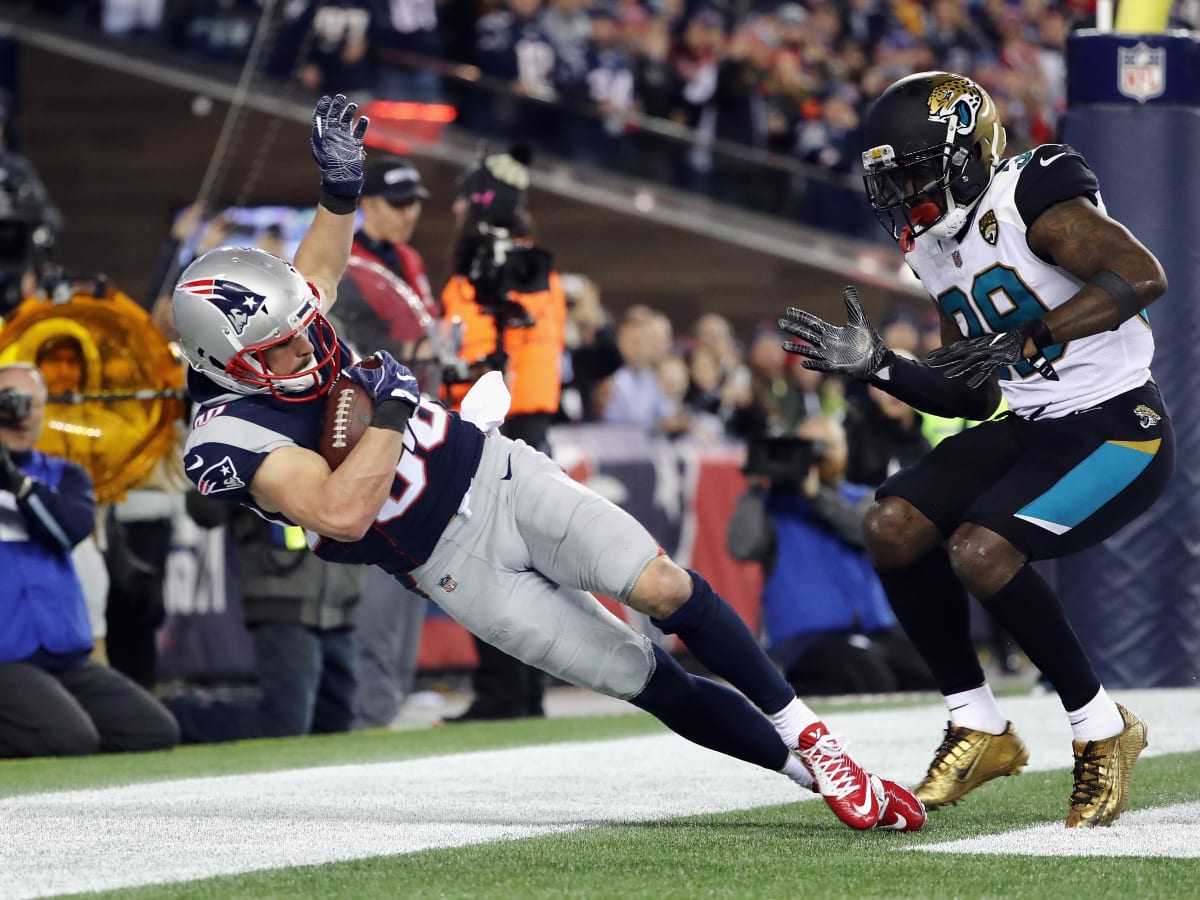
(902,809)
(840,780)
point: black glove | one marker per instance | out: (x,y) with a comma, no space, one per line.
(975,359)
(337,146)
(854,349)
(12,478)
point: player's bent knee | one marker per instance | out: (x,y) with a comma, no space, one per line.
(661,589)
(627,670)
(983,560)
(896,534)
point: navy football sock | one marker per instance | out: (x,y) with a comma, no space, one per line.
(710,714)
(720,640)
(1028,607)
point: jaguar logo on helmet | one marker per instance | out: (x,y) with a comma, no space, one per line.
(236,301)
(956,99)
(989,227)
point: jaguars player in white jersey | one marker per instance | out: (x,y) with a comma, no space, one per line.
(1042,298)
(491,529)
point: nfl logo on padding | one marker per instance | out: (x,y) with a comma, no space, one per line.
(1141,71)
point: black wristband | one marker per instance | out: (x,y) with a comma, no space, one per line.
(338,204)
(393,414)
(1123,295)
(1037,331)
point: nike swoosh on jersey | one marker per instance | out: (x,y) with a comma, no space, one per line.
(197,464)
(508,474)
(1049,159)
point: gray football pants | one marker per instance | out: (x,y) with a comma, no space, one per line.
(517,572)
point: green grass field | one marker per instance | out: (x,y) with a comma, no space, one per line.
(790,850)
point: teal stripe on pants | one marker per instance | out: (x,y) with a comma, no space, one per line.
(1097,479)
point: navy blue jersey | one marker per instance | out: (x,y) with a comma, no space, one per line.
(232,434)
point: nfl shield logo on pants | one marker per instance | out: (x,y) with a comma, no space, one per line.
(447,584)
(1141,71)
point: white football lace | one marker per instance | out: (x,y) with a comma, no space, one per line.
(841,772)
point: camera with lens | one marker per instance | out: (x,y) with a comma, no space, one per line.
(498,266)
(784,460)
(15,406)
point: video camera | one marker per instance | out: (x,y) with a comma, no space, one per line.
(784,460)
(15,406)
(498,266)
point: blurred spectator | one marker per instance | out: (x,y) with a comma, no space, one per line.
(827,621)
(410,27)
(131,18)
(591,355)
(54,701)
(511,44)
(323,44)
(637,397)
(299,609)
(776,402)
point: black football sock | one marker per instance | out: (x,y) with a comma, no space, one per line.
(718,637)
(931,604)
(1028,607)
(710,714)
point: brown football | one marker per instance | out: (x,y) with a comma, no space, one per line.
(348,411)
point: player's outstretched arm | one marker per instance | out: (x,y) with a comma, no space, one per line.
(343,503)
(857,350)
(337,147)
(1120,276)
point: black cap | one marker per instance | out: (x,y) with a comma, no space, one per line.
(394,179)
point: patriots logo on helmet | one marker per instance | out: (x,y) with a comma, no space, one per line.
(236,301)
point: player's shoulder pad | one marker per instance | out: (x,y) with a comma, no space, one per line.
(1049,174)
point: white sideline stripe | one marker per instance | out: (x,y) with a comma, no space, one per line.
(194,828)
(1158,831)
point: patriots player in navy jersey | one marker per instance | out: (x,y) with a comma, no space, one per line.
(1042,298)
(494,531)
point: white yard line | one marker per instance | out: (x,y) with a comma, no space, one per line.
(1158,831)
(204,827)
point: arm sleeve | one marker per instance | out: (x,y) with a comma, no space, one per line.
(843,514)
(750,536)
(60,517)
(929,391)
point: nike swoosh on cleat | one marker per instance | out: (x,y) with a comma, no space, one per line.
(865,807)
(1049,159)
(898,825)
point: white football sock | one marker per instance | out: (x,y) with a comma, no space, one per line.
(976,709)
(796,770)
(1097,719)
(793,719)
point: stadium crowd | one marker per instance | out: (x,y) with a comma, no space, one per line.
(688,92)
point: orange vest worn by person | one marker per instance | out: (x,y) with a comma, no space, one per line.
(534,354)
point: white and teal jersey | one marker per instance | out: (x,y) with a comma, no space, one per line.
(990,281)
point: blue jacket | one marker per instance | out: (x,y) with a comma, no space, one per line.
(819,582)
(42,609)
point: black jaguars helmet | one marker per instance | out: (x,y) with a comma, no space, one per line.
(934,140)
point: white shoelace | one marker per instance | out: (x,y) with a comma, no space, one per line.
(838,771)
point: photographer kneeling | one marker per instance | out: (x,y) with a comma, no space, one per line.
(54,700)
(827,621)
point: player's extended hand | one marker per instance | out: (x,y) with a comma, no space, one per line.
(337,145)
(384,379)
(854,349)
(975,359)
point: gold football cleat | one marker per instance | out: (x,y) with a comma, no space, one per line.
(965,760)
(1102,773)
